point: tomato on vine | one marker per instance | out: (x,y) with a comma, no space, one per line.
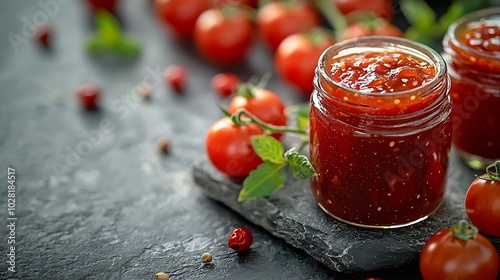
(229,147)
(263,103)
(371,27)
(180,15)
(482,201)
(459,253)
(297,57)
(223,35)
(277,20)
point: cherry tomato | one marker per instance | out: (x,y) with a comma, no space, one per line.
(88,95)
(380,8)
(376,27)
(240,239)
(175,76)
(277,20)
(262,103)
(180,15)
(225,84)
(107,5)
(223,37)
(459,253)
(297,57)
(482,201)
(229,147)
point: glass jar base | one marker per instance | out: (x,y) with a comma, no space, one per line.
(377,226)
(475,162)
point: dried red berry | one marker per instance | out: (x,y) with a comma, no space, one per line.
(88,95)
(175,76)
(240,239)
(225,83)
(43,35)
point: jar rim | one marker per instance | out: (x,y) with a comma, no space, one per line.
(467,19)
(373,42)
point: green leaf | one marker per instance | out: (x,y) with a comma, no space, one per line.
(128,47)
(420,15)
(416,35)
(108,28)
(94,45)
(300,167)
(263,181)
(268,148)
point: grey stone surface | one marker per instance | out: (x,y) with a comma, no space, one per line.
(292,214)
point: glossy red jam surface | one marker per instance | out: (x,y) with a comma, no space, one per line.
(484,38)
(382,72)
(475,90)
(379,166)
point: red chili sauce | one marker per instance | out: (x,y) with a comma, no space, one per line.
(476,92)
(369,175)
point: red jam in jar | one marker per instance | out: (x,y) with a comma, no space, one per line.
(380,131)
(472,52)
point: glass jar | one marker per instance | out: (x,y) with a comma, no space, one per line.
(474,69)
(381,158)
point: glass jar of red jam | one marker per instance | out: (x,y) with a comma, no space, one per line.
(380,131)
(472,52)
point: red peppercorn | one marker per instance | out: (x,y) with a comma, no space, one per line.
(175,76)
(240,239)
(225,83)
(88,95)
(43,35)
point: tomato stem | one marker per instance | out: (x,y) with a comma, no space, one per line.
(333,16)
(243,117)
(493,171)
(463,230)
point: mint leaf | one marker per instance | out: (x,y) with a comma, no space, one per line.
(420,15)
(268,148)
(108,29)
(300,167)
(263,181)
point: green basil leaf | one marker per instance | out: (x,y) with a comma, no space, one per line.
(128,47)
(300,167)
(268,148)
(420,15)
(263,181)
(108,29)
(94,45)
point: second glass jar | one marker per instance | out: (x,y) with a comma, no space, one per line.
(381,157)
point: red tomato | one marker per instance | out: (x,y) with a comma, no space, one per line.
(224,38)
(376,27)
(181,15)
(88,95)
(249,3)
(175,76)
(297,57)
(229,147)
(108,5)
(482,202)
(225,83)
(264,104)
(459,253)
(380,8)
(277,20)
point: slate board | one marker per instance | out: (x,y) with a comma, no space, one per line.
(293,215)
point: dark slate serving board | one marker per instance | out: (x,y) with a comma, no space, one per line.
(293,215)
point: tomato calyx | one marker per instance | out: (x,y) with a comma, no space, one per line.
(463,230)
(248,89)
(492,172)
(318,36)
